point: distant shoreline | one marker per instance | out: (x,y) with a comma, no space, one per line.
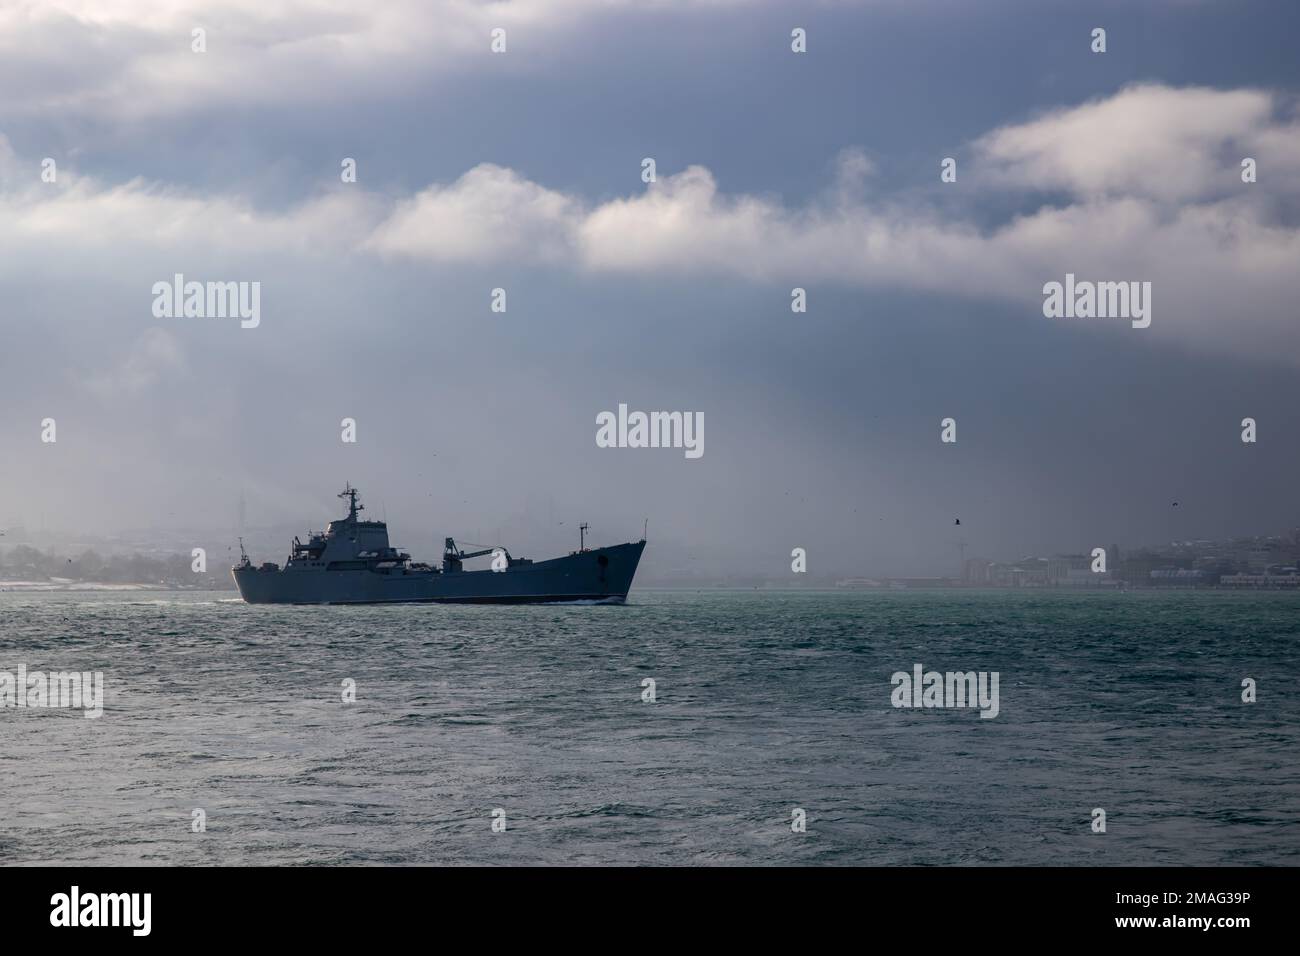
(64,585)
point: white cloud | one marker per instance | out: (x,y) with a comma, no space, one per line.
(681,224)
(78,213)
(1220,255)
(132,58)
(1154,141)
(489,213)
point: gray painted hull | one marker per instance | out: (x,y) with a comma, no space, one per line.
(575,577)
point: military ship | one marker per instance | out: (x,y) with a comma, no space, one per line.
(351,562)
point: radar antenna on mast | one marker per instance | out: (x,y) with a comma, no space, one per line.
(351,494)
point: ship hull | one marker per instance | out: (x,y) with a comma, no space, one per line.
(599,575)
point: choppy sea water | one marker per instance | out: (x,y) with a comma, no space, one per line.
(765,702)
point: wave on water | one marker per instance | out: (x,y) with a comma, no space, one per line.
(683,733)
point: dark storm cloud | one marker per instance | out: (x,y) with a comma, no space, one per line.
(822,171)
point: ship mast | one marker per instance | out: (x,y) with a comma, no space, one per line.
(351,494)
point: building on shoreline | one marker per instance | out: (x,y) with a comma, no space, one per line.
(1258,562)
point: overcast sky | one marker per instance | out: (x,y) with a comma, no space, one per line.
(523,170)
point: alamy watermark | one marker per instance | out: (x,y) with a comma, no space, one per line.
(208,300)
(54,689)
(653,430)
(75,908)
(923,688)
(1101,300)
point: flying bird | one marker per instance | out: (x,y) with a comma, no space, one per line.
(957,521)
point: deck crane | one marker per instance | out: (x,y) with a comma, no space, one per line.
(452,556)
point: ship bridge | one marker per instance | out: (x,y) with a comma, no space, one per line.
(347,544)
(365,535)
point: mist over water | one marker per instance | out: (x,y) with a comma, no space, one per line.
(765,702)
